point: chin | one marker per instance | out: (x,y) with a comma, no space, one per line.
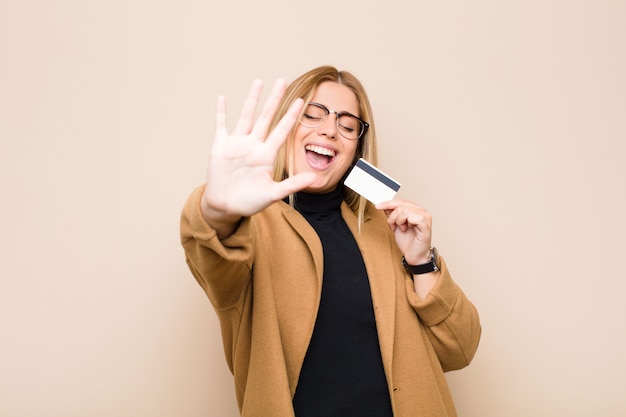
(319,188)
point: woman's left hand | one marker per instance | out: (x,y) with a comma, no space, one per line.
(412,227)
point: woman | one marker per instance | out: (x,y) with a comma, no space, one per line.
(328,305)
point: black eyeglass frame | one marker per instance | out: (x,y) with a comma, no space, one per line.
(365,126)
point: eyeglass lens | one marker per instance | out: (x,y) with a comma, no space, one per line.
(348,125)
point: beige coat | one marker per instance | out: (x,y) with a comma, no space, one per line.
(265,283)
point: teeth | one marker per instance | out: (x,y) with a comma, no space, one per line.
(320,150)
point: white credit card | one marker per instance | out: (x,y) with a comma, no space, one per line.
(371,182)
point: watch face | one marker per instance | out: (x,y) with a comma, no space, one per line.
(436,257)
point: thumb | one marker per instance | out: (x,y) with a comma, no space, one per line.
(293,184)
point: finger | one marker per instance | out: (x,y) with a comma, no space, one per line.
(285,125)
(398,219)
(411,216)
(246,117)
(220,114)
(419,219)
(405,218)
(268,111)
(292,185)
(388,206)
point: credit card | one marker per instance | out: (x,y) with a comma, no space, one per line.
(371,182)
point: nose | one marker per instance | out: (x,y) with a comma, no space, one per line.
(329,127)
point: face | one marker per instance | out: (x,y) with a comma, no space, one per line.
(322,150)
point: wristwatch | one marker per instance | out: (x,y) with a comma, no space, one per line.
(431,266)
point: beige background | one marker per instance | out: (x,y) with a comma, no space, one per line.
(505,119)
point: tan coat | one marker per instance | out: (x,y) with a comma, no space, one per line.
(265,283)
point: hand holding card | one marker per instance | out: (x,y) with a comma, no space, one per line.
(371,183)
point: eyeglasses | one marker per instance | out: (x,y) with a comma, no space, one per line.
(348,125)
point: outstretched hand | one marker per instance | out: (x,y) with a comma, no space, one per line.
(240,173)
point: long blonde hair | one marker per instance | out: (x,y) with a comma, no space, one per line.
(304,87)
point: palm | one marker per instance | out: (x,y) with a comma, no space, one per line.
(239,179)
(240,175)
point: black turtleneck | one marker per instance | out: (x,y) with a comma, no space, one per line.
(342,374)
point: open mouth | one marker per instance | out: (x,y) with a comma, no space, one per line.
(319,156)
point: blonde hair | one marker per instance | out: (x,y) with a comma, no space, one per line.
(304,87)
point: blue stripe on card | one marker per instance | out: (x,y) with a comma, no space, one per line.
(374,172)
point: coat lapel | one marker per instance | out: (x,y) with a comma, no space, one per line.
(308,301)
(376,245)
(307,233)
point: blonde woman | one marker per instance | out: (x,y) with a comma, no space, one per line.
(329,306)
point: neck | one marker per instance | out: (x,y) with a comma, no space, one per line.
(311,203)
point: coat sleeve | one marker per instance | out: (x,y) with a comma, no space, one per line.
(451,321)
(221,267)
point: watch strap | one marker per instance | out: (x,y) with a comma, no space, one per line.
(431,266)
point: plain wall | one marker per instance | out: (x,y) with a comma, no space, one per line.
(507,120)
